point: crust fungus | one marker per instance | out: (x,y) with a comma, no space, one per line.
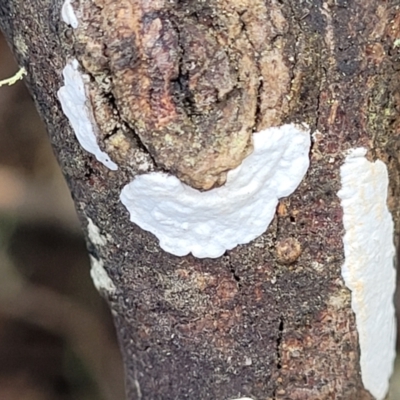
(76,107)
(68,14)
(209,223)
(368,270)
(100,278)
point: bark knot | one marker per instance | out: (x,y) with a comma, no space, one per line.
(192,81)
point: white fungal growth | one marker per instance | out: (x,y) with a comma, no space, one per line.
(68,14)
(209,223)
(100,278)
(76,107)
(368,270)
(94,234)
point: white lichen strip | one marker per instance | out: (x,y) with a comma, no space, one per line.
(209,223)
(68,14)
(368,270)
(94,234)
(76,107)
(100,278)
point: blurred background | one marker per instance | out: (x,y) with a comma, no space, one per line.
(57,340)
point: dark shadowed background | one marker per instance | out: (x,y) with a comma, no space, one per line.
(57,340)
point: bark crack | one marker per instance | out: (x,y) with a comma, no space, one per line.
(278,352)
(235,276)
(233,271)
(185,96)
(257,117)
(279,343)
(322,72)
(138,142)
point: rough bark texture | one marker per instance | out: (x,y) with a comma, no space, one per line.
(180,86)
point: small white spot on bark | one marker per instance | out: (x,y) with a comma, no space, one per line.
(68,14)
(209,223)
(76,107)
(248,361)
(243,398)
(138,390)
(368,270)
(94,234)
(100,278)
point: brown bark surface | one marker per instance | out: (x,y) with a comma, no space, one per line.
(180,86)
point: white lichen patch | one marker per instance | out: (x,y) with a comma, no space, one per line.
(209,223)
(368,270)
(76,107)
(68,14)
(94,234)
(100,278)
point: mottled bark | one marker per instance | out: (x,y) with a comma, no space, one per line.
(180,86)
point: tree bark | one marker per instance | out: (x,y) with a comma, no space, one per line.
(256,322)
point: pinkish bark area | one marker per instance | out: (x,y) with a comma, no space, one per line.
(182,85)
